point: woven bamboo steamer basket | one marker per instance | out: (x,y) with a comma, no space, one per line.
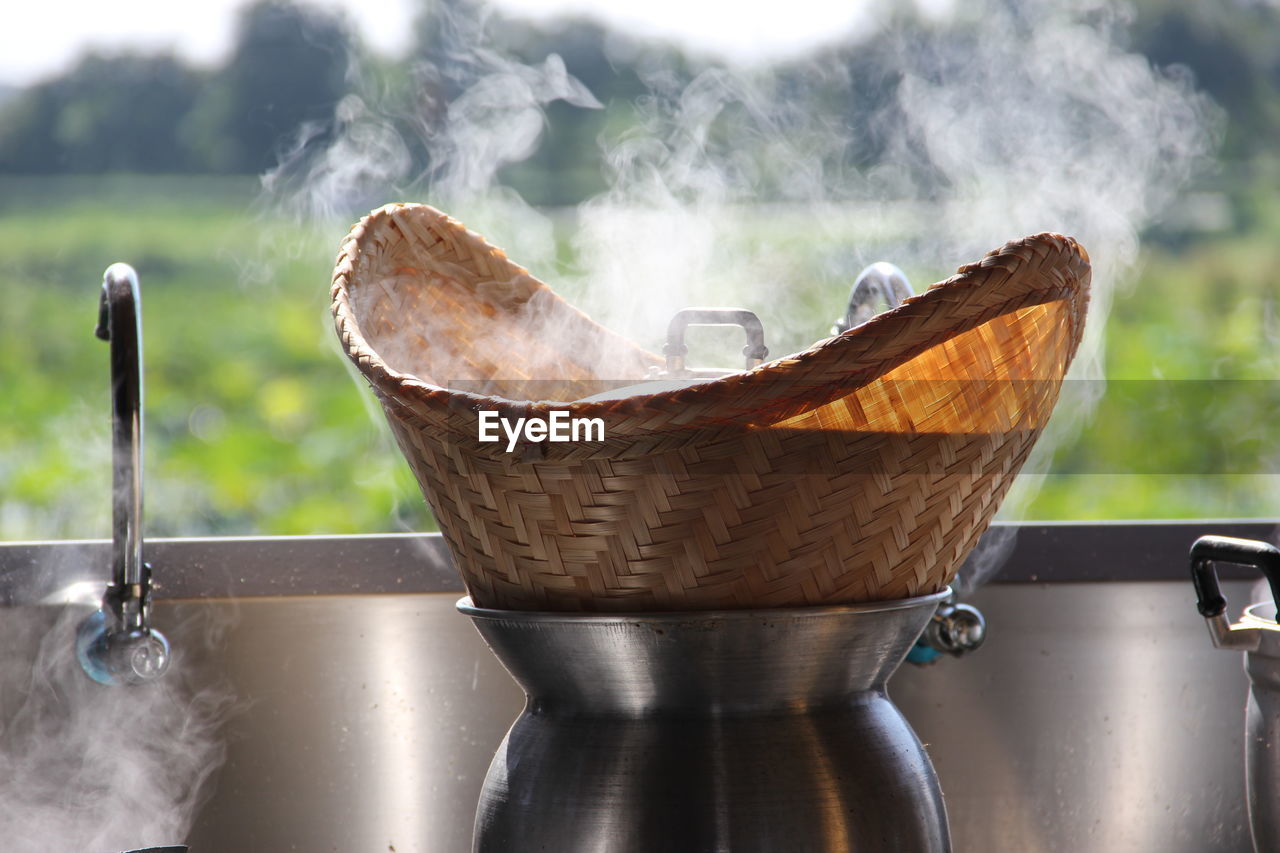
(864,468)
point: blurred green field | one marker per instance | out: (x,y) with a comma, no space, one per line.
(255,425)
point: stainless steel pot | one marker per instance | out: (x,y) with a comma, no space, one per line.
(1257,634)
(759,730)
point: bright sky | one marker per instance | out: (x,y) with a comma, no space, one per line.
(45,37)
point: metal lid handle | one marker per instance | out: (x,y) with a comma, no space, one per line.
(675,350)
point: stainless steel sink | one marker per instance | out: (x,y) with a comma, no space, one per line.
(1095,718)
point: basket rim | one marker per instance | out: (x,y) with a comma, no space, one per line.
(901,331)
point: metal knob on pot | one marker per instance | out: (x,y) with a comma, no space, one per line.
(877,288)
(956,629)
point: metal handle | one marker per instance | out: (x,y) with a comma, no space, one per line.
(1206,553)
(881,283)
(675,350)
(1210,550)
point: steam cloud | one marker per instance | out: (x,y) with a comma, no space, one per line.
(86,768)
(973,125)
(739,186)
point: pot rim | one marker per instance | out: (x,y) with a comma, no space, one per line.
(467,608)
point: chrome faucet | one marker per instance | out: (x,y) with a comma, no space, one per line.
(116,644)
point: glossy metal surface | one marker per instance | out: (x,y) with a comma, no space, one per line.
(116,645)
(1096,717)
(956,629)
(877,288)
(1258,636)
(120,323)
(367,727)
(1262,728)
(748,731)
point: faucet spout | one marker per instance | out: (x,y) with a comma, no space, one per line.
(120,323)
(117,645)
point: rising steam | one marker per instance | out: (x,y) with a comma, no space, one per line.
(930,141)
(91,769)
(926,144)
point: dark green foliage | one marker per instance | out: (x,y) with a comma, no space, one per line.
(278,90)
(276,94)
(109,113)
(1233,53)
(155,114)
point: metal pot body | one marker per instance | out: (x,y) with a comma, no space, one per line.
(728,731)
(1262,729)
(1257,634)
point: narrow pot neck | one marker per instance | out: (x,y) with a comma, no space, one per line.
(748,661)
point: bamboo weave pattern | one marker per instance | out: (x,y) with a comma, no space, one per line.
(864,468)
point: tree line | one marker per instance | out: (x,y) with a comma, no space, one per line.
(156,113)
(291,64)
